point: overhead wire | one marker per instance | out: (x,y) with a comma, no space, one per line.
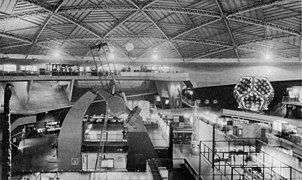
(102,143)
(114,70)
(100,153)
(96,66)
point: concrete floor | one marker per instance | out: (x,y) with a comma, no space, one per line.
(157,138)
(36,155)
(181,151)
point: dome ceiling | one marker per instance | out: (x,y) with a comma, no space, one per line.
(190,30)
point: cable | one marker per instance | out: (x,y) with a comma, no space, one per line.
(101,145)
(113,69)
(100,78)
(107,84)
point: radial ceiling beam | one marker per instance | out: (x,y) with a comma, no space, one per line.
(227,24)
(118,48)
(204,41)
(121,22)
(261,23)
(121,37)
(133,3)
(50,48)
(71,9)
(39,3)
(268,38)
(262,52)
(251,7)
(86,14)
(14,45)
(145,8)
(184,11)
(300,53)
(25,15)
(156,25)
(210,21)
(48,19)
(16,37)
(149,3)
(132,14)
(152,47)
(78,23)
(45,23)
(208,53)
(64,16)
(160,40)
(162,31)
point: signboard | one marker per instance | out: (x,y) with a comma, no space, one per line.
(74,161)
(9,67)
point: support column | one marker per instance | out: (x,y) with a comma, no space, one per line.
(6,141)
(28,88)
(71,89)
(213,148)
(170,149)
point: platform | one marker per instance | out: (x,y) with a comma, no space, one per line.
(124,76)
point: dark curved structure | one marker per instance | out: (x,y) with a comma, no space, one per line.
(71,135)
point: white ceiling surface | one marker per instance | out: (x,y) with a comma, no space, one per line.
(174,30)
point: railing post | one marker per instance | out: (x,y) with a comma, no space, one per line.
(231,173)
(263,165)
(213,147)
(199,159)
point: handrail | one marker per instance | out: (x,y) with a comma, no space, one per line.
(192,170)
(274,110)
(101,146)
(187,102)
(154,170)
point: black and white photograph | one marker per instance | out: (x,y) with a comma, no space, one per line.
(150,89)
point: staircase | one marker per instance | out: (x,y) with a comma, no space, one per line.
(187,102)
(154,169)
(278,110)
(188,83)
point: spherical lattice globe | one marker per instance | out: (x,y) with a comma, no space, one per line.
(253,93)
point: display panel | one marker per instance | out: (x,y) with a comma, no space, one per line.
(253,93)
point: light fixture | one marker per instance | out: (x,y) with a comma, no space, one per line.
(111,55)
(267,55)
(157,98)
(190,92)
(155,56)
(129,47)
(207,101)
(167,101)
(253,93)
(56,53)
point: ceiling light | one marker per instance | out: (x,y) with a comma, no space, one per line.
(129,47)
(56,53)
(111,55)
(155,56)
(267,56)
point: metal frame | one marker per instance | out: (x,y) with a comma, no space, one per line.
(148,9)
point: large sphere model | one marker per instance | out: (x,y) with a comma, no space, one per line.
(253,93)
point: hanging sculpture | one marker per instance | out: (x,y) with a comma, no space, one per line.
(253,93)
